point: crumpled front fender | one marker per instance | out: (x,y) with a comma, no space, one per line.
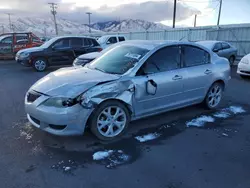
(116,90)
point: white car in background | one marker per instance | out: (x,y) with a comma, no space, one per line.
(244,66)
(108,40)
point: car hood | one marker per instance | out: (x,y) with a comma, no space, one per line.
(29,50)
(71,82)
(91,55)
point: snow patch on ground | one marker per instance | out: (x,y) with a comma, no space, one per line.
(102,155)
(222,114)
(200,121)
(147,137)
(236,109)
(25,134)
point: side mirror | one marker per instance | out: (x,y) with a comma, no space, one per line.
(108,42)
(216,50)
(151,87)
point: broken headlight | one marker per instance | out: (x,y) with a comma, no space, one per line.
(60,102)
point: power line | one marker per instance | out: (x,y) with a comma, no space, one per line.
(53,7)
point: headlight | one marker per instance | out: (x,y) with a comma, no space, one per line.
(244,61)
(24,55)
(60,102)
(80,61)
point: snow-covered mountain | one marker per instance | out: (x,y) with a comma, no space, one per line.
(45,26)
(128,25)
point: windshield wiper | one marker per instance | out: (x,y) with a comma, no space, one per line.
(100,70)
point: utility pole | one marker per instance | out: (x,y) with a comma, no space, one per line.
(174,14)
(218,22)
(53,7)
(10,24)
(89,13)
(2,28)
(195,17)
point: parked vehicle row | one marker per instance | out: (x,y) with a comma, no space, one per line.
(132,80)
(57,51)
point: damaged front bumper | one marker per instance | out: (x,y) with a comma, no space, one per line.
(58,121)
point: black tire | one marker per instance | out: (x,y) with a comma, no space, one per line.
(98,111)
(44,64)
(244,76)
(208,98)
(231,60)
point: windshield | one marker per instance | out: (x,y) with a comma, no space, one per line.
(119,59)
(48,43)
(102,39)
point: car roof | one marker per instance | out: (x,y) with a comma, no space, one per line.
(64,37)
(152,44)
(208,43)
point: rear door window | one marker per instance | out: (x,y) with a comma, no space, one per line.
(193,56)
(121,39)
(87,42)
(7,40)
(112,40)
(225,45)
(76,42)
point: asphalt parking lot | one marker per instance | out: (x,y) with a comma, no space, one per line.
(214,155)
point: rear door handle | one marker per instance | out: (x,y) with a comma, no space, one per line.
(208,71)
(177,77)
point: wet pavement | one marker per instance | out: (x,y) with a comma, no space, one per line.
(191,147)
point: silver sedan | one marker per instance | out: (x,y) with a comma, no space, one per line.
(222,49)
(135,79)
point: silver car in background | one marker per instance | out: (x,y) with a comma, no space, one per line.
(222,49)
(135,79)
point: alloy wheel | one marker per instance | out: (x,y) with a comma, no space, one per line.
(214,96)
(111,121)
(40,65)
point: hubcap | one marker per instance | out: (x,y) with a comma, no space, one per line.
(111,121)
(40,65)
(214,96)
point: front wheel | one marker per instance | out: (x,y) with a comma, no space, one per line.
(40,64)
(214,96)
(109,120)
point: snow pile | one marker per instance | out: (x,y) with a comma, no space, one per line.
(236,109)
(147,137)
(200,121)
(102,155)
(111,158)
(222,114)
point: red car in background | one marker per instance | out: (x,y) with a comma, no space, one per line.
(11,43)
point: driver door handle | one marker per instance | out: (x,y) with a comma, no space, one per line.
(177,77)
(208,71)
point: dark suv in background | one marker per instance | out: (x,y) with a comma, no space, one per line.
(57,51)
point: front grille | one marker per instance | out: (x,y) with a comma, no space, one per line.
(32,96)
(35,120)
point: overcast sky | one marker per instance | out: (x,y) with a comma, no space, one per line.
(233,11)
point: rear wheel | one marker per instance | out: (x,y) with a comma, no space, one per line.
(231,60)
(244,76)
(214,96)
(40,64)
(109,120)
